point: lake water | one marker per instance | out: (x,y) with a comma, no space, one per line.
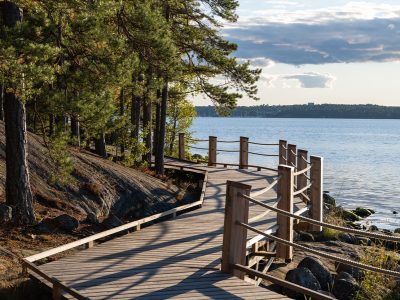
(361,157)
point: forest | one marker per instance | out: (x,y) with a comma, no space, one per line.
(340,111)
(113,77)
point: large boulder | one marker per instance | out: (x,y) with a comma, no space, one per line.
(345,286)
(350,216)
(320,272)
(5,213)
(329,200)
(66,222)
(303,277)
(353,271)
(362,212)
(347,238)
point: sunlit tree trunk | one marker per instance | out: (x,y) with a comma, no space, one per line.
(18,190)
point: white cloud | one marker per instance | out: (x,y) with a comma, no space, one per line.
(307,80)
(259,62)
(352,11)
(312,80)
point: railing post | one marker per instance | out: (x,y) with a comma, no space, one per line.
(285,224)
(235,236)
(282,152)
(301,165)
(212,150)
(56,293)
(244,153)
(317,186)
(181,146)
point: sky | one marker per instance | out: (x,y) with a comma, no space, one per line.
(321,51)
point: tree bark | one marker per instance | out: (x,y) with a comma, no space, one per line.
(156,127)
(18,190)
(135,116)
(100,145)
(122,112)
(147,122)
(161,135)
(2,102)
(75,131)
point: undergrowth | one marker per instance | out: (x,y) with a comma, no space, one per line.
(376,286)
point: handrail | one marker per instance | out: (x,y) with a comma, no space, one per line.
(263,214)
(283,283)
(263,191)
(303,189)
(262,154)
(322,254)
(303,158)
(302,171)
(198,148)
(323,224)
(223,150)
(262,144)
(219,141)
(294,153)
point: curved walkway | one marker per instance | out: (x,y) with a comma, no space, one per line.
(179,258)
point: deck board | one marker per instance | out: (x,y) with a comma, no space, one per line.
(177,258)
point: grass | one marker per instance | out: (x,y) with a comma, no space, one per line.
(334,217)
(376,285)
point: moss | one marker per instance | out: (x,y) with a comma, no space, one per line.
(362,212)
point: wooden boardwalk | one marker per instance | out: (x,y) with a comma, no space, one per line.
(178,258)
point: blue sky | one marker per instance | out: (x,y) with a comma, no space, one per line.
(318,51)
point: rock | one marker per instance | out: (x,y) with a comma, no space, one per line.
(112,221)
(353,271)
(371,211)
(303,277)
(5,213)
(320,272)
(353,225)
(345,287)
(362,212)
(395,212)
(92,218)
(329,200)
(363,241)
(305,236)
(350,216)
(397,230)
(46,226)
(373,228)
(66,222)
(347,238)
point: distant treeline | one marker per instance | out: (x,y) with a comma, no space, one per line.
(367,111)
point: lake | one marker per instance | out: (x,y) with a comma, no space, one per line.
(361,157)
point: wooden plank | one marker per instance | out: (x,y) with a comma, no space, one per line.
(212,150)
(244,153)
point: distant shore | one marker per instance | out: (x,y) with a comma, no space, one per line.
(311,110)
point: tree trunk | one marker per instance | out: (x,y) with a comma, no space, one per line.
(2,102)
(135,116)
(147,122)
(156,128)
(122,112)
(51,125)
(173,131)
(100,145)
(18,190)
(75,131)
(161,140)
(61,123)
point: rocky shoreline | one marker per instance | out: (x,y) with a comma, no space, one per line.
(339,280)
